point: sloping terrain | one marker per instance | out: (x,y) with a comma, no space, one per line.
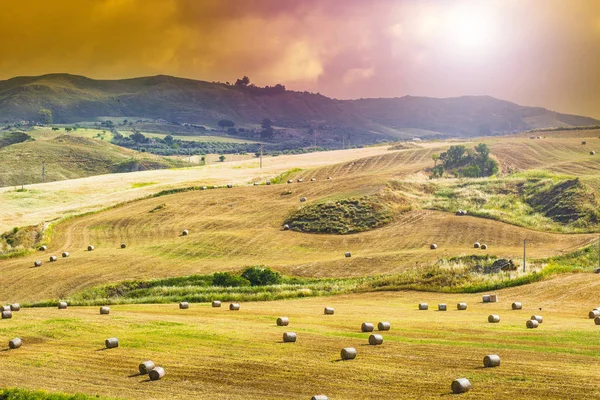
(75,98)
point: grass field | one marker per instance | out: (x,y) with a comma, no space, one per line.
(212,352)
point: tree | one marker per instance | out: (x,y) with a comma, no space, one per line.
(45,116)
(54,128)
(261,276)
(435,158)
(168,140)
(245,81)
(267,131)
(226,123)
(222,158)
(138,137)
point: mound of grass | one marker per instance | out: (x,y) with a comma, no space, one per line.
(20,241)
(133,165)
(22,394)
(15,137)
(282,178)
(342,216)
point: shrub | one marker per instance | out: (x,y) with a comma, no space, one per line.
(261,276)
(227,279)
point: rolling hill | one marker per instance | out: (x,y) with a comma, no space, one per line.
(76,98)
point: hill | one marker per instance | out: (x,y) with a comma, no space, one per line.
(70,157)
(76,98)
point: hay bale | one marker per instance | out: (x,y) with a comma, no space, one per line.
(90,248)
(348,254)
(461,385)
(597,270)
(484,246)
(433,246)
(184,305)
(146,367)
(491,361)
(37,263)
(348,353)
(53,258)
(532,324)
(583,142)
(423,306)
(384,326)
(62,305)
(66,254)
(256,183)
(493,318)
(493,298)
(204,188)
(234,307)
(485,298)
(461,306)
(44,248)
(215,187)
(329,178)
(290,181)
(375,340)
(15,343)
(283,321)
(6,314)
(156,374)
(5,308)
(104,310)
(594,314)
(286,227)
(329,311)
(268,183)
(517,306)
(302,199)
(320,397)
(111,343)
(289,337)
(538,318)
(313,179)
(15,307)
(476,245)
(216,303)
(597,320)
(229,185)
(123,245)
(592,153)
(367,327)
(299,180)
(442,307)
(185,232)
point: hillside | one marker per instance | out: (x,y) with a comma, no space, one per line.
(70,157)
(75,98)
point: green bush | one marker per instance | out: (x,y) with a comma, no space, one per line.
(261,276)
(227,279)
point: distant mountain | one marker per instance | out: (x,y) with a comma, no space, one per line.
(76,98)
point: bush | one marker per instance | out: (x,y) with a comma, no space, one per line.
(227,279)
(261,276)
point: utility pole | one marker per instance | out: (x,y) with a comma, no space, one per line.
(43,171)
(598,252)
(261,148)
(315,139)
(22,176)
(524,254)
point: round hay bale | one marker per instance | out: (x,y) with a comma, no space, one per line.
(104,310)
(302,199)
(111,343)
(268,183)
(493,298)
(375,340)
(517,306)
(299,180)
(204,188)
(433,246)
(593,314)
(283,321)
(597,270)
(367,327)
(286,227)
(538,318)
(348,353)
(156,374)
(320,397)
(6,314)
(234,307)
(44,248)
(215,187)
(216,303)
(184,305)
(256,183)
(597,320)
(442,307)
(37,263)
(483,246)
(90,248)
(229,185)
(53,258)
(15,343)
(289,337)
(461,385)
(491,361)
(461,306)
(493,318)
(348,254)
(62,305)
(185,232)
(123,245)
(532,324)
(146,367)
(384,326)
(423,306)
(485,298)
(290,181)
(5,308)
(476,245)
(66,254)
(329,311)
(15,307)
(583,142)
(592,153)
(313,179)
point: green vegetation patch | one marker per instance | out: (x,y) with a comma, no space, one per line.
(14,137)
(22,394)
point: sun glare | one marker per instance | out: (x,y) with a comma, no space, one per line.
(470,28)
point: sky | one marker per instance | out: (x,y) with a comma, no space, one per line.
(533,52)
